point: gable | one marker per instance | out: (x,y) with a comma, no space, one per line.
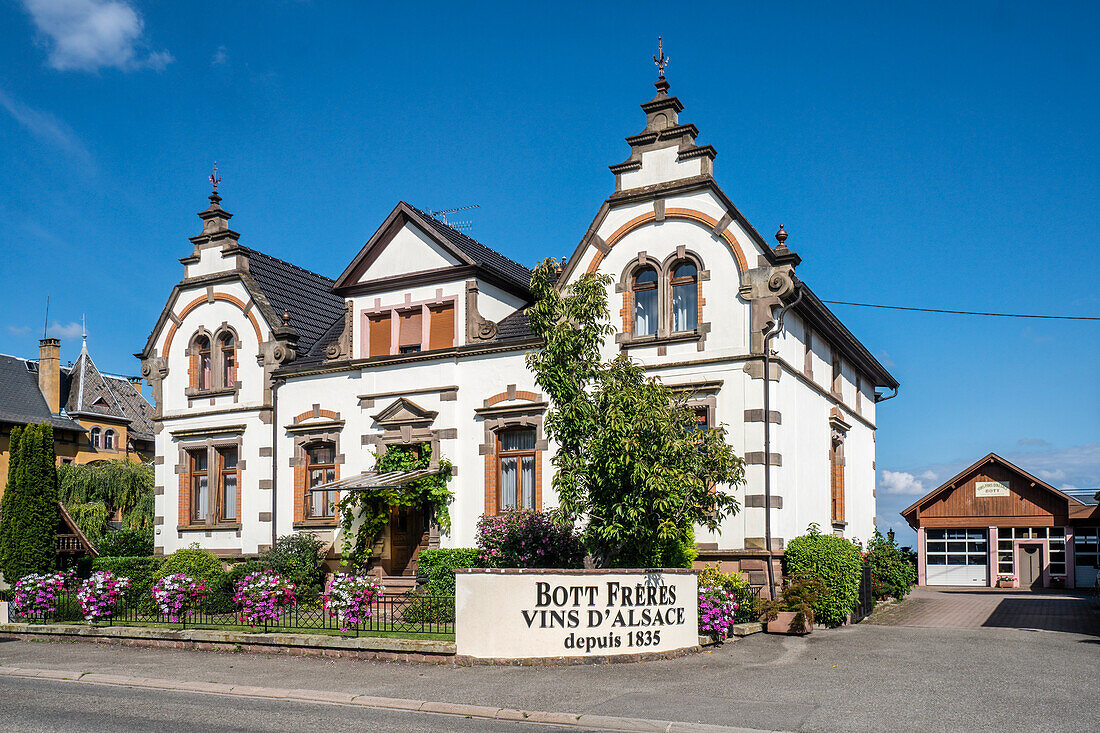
(410,250)
(405,412)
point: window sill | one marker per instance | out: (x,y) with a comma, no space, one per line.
(322,523)
(205,527)
(629,342)
(198,394)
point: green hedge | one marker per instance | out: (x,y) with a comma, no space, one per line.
(834,561)
(199,564)
(141,571)
(437,565)
(126,543)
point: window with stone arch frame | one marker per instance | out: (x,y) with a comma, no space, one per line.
(213,359)
(663,299)
(320,469)
(94,437)
(645,294)
(109,440)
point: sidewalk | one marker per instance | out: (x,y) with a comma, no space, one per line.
(860,678)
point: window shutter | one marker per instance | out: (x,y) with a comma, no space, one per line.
(410,331)
(379,334)
(193,371)
(442,333)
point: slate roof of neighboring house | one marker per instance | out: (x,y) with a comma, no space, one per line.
(87,391)
(514,327)
(478,252)
(305,295)
(21,402)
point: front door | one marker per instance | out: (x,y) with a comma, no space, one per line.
(405,533)
(1031,566)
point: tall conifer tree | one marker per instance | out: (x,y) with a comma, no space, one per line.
(29,510)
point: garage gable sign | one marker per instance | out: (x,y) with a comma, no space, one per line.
(991,488)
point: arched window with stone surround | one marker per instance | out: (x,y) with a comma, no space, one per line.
(109,440)
(646,301)
(202,368)
(227,347)
(95,437)
(685,297)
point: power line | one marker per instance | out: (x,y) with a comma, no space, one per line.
(961,313)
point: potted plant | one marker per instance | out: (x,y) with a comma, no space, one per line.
(1006,581)
(792,612)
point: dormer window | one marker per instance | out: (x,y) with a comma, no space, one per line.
(646,312)
(685,297)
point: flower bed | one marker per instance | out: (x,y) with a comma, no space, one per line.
(261,597)
(717,611)
(37,593)
(178,594)
(100,595)
(350,598)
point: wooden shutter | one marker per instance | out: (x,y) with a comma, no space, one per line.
(410,331)
(379,334)
(442,327)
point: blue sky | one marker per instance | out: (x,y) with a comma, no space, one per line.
(944,156)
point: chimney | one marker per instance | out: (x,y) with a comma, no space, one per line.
(49,372)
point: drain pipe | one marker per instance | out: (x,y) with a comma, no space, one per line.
(768,439)
(275,460)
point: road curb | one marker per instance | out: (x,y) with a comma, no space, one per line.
(482,712)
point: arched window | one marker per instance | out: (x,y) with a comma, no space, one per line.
(685,297)
(201,363)
(95,437)
(320,470)
(644,289)
(228,359)
(109,440)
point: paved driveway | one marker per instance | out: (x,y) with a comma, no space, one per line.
(973,608)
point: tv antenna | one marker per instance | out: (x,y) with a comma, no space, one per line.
(441,215)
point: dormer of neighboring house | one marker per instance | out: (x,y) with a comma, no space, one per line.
(419,285)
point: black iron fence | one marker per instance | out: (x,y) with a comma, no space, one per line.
(866,601)
(397,615)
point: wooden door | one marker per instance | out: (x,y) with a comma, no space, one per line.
(405,532)
(1031,567)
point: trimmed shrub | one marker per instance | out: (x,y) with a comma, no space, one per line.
(678,551)
(834,561)
(437,564)
(141,571)
(735,583)
(523,538)
(126,543)
(299,559)
(28,510)
(199,564)
(892,571)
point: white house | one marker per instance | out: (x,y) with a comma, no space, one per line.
(270,379)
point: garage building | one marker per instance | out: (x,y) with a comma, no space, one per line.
(995,519)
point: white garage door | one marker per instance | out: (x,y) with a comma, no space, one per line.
(956,557)
(1086,556)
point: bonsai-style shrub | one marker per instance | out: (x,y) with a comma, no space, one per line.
(199,564)
(177,594)
(261,597)
(101,594)
(141,572)
(800,595)
(717,611)
(349,598)
(523,538)
(892,573)
(28,511)
(299,558)
(126,543)
(735,583)
(834,561)
(37,593)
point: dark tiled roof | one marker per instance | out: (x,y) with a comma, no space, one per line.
(134,406)
(514,327)
(105,394)
(478,252)
(21,402)
(305,295)
(316,354)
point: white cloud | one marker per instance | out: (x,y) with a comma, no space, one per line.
(901,482)
(18,330)
(87,35)
(928,475)
(70,330)
(220,57)
(45,127)
(1049,475)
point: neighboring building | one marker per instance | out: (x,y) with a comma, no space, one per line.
(994,519)
(270,380)
(95,416)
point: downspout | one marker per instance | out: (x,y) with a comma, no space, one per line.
(275,460)
(768,440)
(883,398)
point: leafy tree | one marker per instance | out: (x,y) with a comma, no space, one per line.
(892,571)
(28,511)
(632,463)
(92,493)
(836,562)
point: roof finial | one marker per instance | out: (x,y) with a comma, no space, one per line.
(83,334)
(215,179)
(286,317)
(781,236)
(662,60)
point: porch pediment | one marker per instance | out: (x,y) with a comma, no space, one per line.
(404,412)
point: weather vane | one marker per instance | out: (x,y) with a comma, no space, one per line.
(215,179)
(661,61)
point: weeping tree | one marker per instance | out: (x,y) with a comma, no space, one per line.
(92,493)
(632,465)
(28,511)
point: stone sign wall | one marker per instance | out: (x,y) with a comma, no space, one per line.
(528,614)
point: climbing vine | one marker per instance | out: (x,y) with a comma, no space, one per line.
(365,514)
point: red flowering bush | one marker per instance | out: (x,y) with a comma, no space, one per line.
(524,538)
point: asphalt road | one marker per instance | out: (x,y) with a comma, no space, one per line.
(52,706)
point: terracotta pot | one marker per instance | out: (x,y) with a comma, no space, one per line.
(1005,584)
(781,624)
